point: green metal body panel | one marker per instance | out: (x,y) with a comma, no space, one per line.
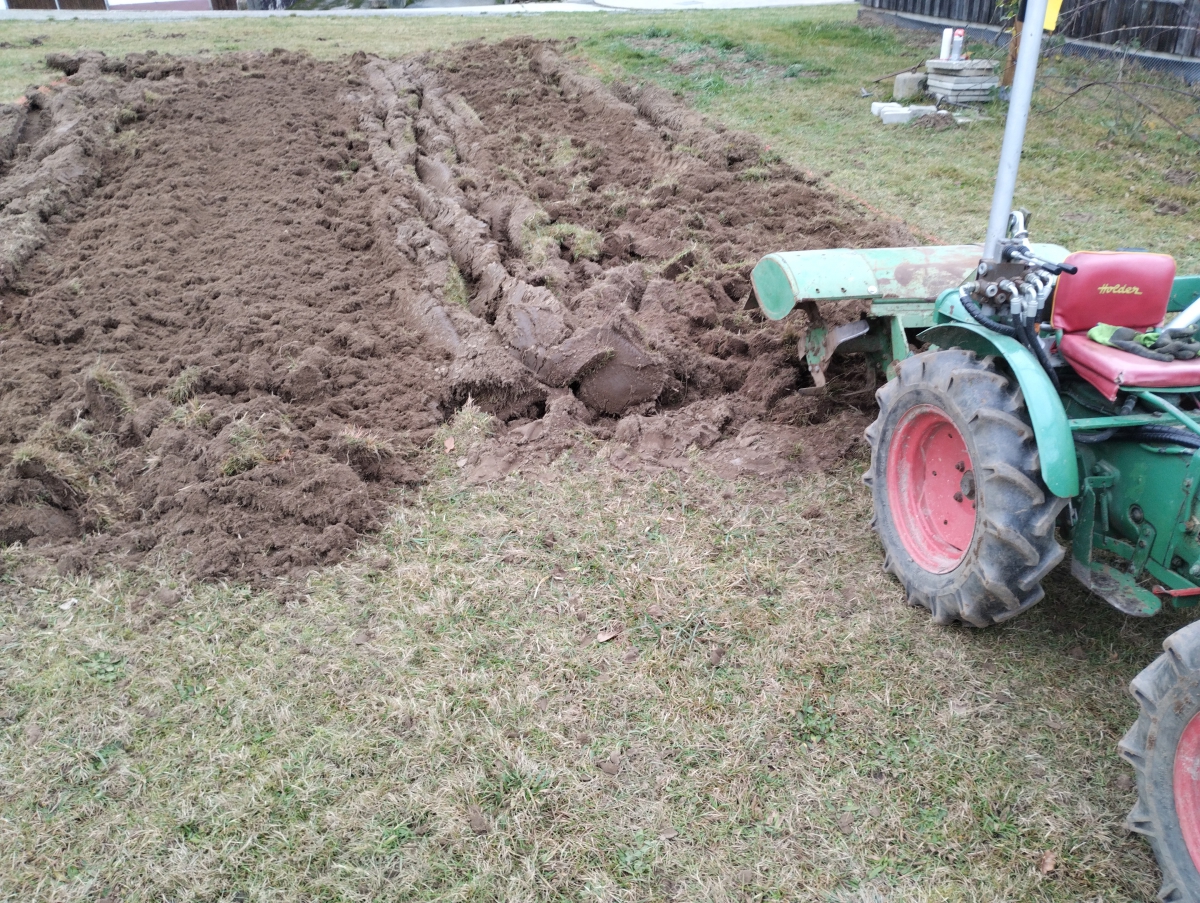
(1185,290)
(905,275)
(781,280)
(1158,544)
(1138,506)
(1051,429)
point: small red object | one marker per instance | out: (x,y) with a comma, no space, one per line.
(1176,593)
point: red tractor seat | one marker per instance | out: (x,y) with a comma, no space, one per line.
(1109,369)
(1121,288)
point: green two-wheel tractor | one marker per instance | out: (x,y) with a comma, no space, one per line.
(1012,432)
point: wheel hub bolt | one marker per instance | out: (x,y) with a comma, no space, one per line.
(960,466)
(967,484)
(958,497)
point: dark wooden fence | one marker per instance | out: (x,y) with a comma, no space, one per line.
(1165,26)
(61,4)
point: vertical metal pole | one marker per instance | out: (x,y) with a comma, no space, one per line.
(1014,126)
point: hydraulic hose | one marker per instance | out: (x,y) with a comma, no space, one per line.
(1091,438)
(984,320)
(1155,433)
(1030,340)
(1152,433)
(1022,332)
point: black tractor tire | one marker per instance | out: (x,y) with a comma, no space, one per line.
(1013,545)
(1168,695)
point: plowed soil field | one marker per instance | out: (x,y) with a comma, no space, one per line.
(239,296)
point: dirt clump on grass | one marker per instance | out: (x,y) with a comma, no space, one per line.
(935,122)
(264,281)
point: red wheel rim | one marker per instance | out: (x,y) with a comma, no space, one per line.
(931,488)
(1187,787)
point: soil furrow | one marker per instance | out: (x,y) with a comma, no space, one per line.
(289,273)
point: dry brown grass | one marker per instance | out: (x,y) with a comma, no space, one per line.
(588,685)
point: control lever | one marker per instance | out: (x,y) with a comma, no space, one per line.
(1054,269)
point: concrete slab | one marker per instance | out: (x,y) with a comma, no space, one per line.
(908,85)
(896,117)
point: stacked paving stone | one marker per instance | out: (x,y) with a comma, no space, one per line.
(961,81)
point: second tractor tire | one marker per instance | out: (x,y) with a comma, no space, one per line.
(1163,747)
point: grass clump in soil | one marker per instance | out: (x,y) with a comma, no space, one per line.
(72,470)
(39,461)
(193,413)
(362,440)
(455,289)
(113,392)
(364,451)
(542,240)
(184,386)
(581,242)
(248,453)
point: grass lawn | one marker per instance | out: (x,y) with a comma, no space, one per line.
(590,685)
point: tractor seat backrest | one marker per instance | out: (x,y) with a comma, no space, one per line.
(1121,288)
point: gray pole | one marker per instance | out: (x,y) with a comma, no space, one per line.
(1014,126)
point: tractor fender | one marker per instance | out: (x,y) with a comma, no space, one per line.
(1056,447)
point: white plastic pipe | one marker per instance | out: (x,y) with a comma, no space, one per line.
(1014,126)
(1187,316)
(947,37)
